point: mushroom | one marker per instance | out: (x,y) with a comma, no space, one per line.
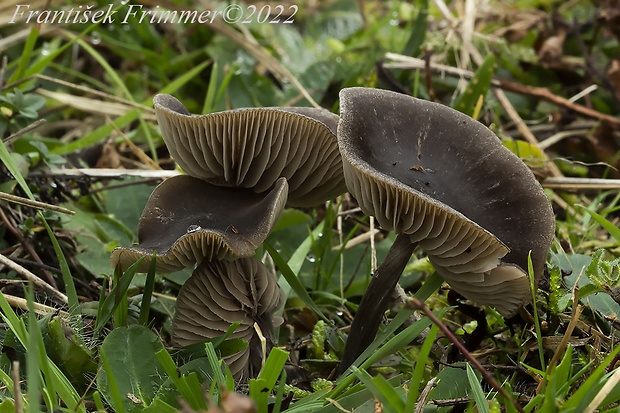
(220,293)
(445,182)
(189,221)
(252,148)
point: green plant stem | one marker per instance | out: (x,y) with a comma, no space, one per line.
(485,373)
(375,300)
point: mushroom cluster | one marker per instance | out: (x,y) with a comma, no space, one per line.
(444,182)
(242,167)
(441,180)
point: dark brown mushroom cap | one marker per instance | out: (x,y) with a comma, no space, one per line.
(252,148)
(187,220)
(220,293)
(426,170)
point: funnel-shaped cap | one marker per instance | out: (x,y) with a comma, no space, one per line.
(187,220)
(426,170)
(252,148)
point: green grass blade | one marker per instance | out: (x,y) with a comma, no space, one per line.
(294,282)
(117,400)
(7,160)
(67,277)
(578,397)
(376,352)
(611,228)
(381,389)
(32,357)
(26,54)
(107,309)
(418,31)
(216,365)
(208,105)
(180,81)
(98,134)
(478,86)
(180,383)
(418,371)
(261,387)
(476,388)
(533,289)
(277,405)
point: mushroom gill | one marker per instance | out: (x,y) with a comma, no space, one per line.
(253,147)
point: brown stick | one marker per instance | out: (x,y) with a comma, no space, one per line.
(419,305)
(26,244)
(545,94)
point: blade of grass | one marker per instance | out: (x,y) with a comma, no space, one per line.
(63,387)
(107,309)
(208,105)
(32,357)
(195,400)
(476,388)
(180,81)
(611,228)
(533,289)
(97,135)
(375,353)
(579,395)
(261,387)
(381,389)
(26,54)
(294,282)
(216,365)
(121,85)
(117,400)
(67,277)
(418,371)
(277,405)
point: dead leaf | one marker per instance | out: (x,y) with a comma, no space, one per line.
(614,75)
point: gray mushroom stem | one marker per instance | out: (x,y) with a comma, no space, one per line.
(376,299)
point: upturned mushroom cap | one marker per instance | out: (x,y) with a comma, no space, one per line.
(426,170)
(187,220)
(220,293)
(252,148)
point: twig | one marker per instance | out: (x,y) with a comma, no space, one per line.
(593,184)
(423,399)
(34,204)
(32,277)
(113,173)
(27,245)
(417,304)
(23,131)
(406,62)
(17,389)
(134,148)
(23,261)
(39,309)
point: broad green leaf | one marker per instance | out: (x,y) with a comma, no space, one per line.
(130,353)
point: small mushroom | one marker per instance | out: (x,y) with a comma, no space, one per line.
(445,182)
(220,293)
(252,148)
(187,220)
